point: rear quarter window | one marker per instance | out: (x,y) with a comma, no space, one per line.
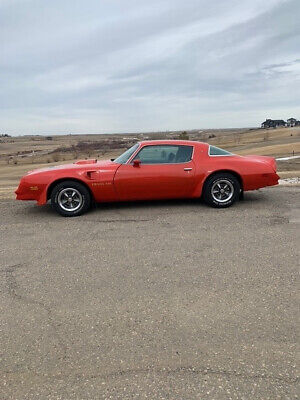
(216,151)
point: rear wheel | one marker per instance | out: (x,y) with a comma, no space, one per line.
(70,198)
(221,190)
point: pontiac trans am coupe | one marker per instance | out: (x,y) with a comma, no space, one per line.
(150,170)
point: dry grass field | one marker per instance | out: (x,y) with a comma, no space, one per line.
(21,154)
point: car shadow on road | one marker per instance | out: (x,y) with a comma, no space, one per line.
(189,205)
(186,204)
(149,204)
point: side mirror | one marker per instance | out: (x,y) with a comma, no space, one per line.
(136,163)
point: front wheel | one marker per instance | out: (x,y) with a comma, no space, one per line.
(221,190)
(70,198)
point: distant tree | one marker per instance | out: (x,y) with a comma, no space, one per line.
(184,136)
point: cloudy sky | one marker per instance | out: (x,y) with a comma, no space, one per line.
(95,66)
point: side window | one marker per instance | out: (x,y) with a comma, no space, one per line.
(216,151)
(165,154)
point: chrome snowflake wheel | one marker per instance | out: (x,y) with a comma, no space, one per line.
(70,199)
(222,190)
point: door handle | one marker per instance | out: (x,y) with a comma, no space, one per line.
(187,169)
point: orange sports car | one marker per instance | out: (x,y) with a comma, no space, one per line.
(150,170)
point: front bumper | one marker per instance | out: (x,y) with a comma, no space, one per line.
(29,191)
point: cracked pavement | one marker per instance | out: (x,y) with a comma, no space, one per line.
(164,300)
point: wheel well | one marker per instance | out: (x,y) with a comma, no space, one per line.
(54,183)
(227,171)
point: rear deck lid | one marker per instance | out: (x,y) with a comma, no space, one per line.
(265,159)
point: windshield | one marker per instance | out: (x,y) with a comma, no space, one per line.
(123,158)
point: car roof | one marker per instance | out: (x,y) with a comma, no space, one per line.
(174,142)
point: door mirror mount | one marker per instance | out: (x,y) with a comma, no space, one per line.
(136,163)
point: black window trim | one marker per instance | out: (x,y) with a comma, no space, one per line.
(168,144)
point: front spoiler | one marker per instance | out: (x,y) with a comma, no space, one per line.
(32,194)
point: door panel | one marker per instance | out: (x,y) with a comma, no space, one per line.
(155,181)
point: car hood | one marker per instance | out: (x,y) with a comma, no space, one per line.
(78,165)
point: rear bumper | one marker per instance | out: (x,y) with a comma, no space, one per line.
(258,181)
(272,179)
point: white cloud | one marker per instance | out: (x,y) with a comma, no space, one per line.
(131,65)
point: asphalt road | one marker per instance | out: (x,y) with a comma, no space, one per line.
(168,300)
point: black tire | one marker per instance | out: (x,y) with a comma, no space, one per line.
(217,183)
(63,192)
